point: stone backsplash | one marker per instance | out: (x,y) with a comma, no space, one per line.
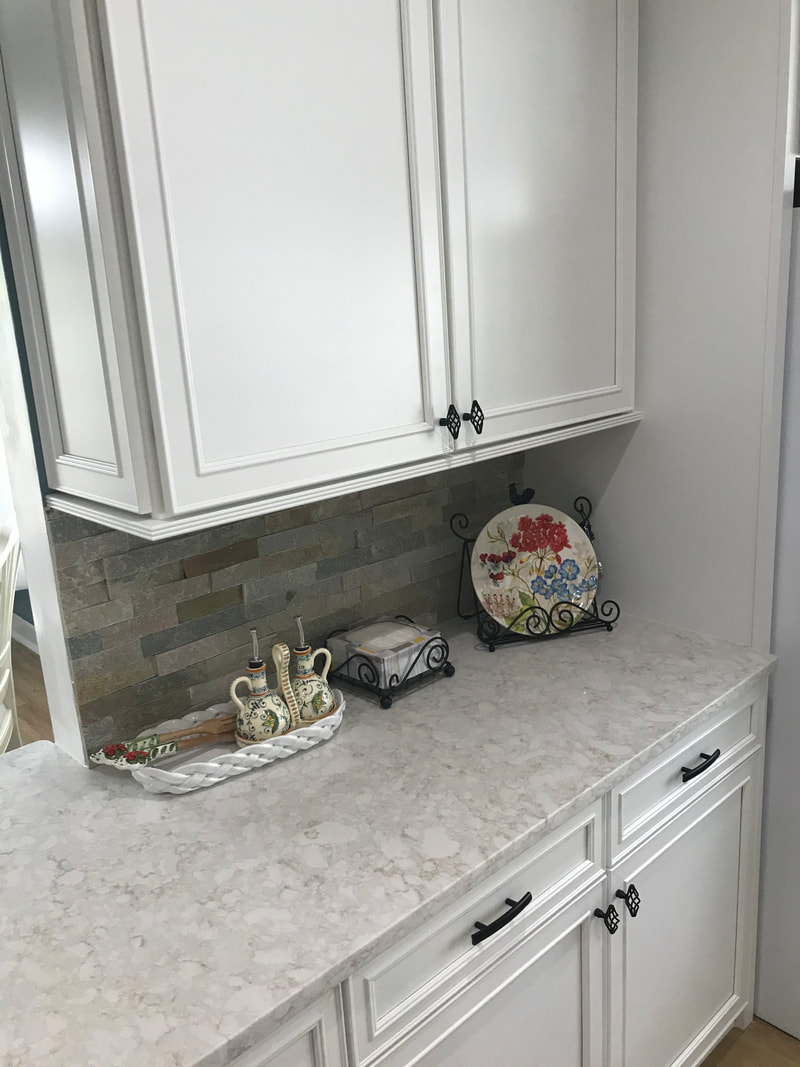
(157,628)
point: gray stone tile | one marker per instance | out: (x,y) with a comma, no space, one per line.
(180,548)
(84,574)
(149,578)
(189,633)
(308,514)
(356,557)
(220,558)
(172,593)
(98,733)
(105,662)
(98,685)
(76,553)
(341,526)
(84,645)
(65,527)
(384,531)
(293,558)
(430,501)
(209,604)
(153,690)
(274,584)
(150,622)
(74,597)
(94,618)
(176,658)
(236,575)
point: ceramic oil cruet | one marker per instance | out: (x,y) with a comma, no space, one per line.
(262,714)
(311,690)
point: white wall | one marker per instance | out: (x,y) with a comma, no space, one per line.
(681,509)
(778,989)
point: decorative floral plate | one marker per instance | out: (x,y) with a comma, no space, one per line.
(528,561)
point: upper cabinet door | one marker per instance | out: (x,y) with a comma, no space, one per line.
(282,195)
(538,101)
(59,217)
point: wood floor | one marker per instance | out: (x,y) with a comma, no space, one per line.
(32,712)
(760,1045)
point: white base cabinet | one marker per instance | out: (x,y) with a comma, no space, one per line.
(681,969)
(620,940)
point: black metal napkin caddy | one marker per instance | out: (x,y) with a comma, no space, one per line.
(540,623)
(435,653)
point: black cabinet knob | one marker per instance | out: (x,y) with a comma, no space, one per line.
(610,918)
(452,421)
(475,416)
(631,898)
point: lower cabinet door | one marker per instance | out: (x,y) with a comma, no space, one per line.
(314,1038)
(681,968)
(538,1005)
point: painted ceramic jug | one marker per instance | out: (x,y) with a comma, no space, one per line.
(311,690)
(262,714)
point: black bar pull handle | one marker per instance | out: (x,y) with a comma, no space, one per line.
(610,918)
(632,899)
(489,929)
(692,772)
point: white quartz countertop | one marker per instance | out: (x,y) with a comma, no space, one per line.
(159,930)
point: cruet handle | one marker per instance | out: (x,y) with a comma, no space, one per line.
(234,684)
(326,653)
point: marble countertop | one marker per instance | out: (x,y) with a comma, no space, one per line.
(177,930)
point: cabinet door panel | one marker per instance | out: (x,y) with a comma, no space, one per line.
(680,965)
(539,143)
(539,1003)
(66,271)
(284,201)
(536,1020)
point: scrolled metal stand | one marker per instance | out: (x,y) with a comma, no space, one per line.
(540,623)
(435,653)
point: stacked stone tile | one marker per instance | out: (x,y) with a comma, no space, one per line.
(157,628)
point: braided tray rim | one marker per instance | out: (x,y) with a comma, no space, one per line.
(201,775)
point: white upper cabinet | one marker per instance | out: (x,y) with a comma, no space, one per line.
(538,114)
(77,336)
(283,204)
(263,247)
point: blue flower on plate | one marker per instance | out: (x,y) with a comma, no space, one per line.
(574,591)
(539,585)
(588,583)
(551,571)
(569,570)
(559,590)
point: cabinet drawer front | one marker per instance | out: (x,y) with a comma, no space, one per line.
(642,803)
(405,984)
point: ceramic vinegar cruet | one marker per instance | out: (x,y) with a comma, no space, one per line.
(262,714)
(311,690)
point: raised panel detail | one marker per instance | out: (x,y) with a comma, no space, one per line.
(64,259)
(285,203)
(538,104)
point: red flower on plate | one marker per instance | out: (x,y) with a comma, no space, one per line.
(541,536)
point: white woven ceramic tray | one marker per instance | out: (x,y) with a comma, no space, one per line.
(182,773)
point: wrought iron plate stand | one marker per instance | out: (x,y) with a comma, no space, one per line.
(540,623)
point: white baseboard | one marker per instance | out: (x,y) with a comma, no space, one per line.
(23,631)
